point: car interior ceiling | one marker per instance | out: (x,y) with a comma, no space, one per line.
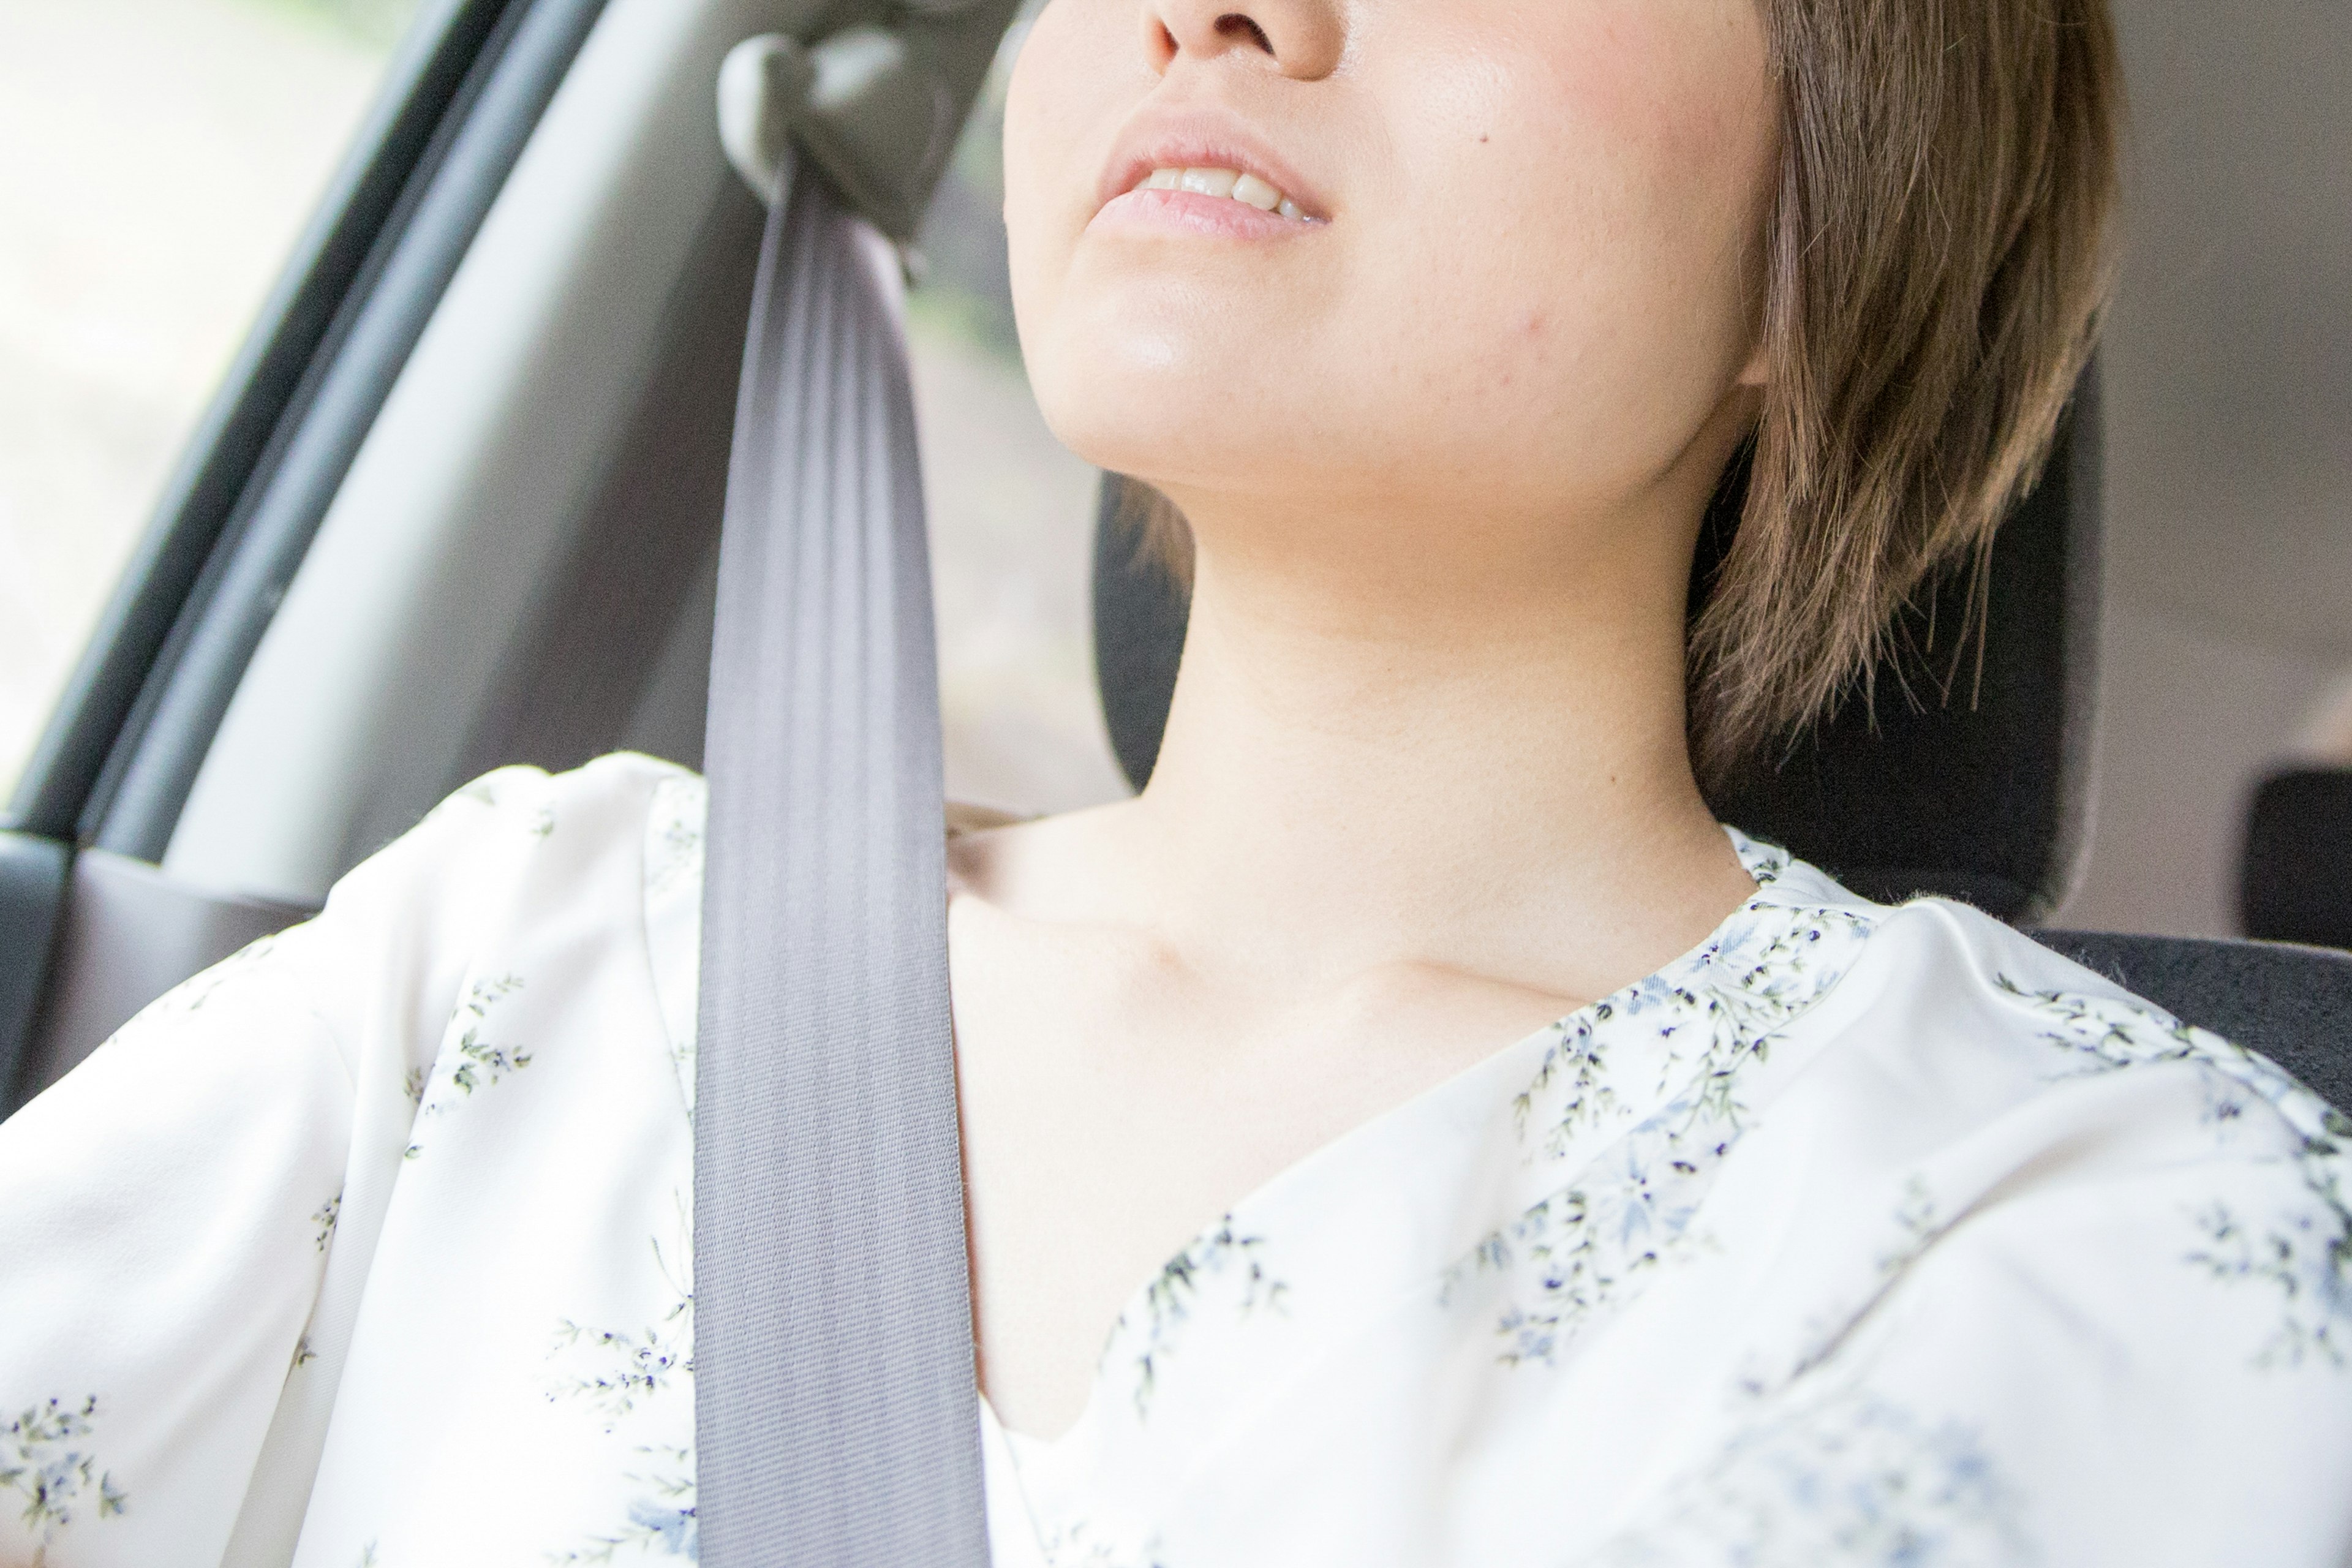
(586,627)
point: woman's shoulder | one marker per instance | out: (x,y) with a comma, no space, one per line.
(521,842)
(596,863)
(1941,983)
(1954,973)
(1982,1047)
(520,873)
(1962,1032)
(602,804)
(2027,1200)
(350,1109)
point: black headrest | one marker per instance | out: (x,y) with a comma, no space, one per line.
(2295,883)
(1977,795)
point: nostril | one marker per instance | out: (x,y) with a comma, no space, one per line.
(1233,24)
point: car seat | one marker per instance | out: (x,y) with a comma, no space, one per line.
(2294,881)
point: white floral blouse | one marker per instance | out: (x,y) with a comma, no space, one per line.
(1858,1236)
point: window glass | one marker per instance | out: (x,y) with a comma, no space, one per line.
(1011,514)
(158,159)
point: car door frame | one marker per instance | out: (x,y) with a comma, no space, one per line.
(136,718)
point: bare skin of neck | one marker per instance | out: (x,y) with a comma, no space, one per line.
(1425,790)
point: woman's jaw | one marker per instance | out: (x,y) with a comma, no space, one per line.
(1438,266)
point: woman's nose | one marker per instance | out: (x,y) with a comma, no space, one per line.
(1301,39)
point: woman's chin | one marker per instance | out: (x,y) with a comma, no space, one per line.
(1156,421)
(1149,354)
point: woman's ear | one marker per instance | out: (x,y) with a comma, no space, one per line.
(1753,373)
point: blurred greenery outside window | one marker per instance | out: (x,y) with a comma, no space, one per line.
(158,159)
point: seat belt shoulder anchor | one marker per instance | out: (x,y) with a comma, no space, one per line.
(873,91)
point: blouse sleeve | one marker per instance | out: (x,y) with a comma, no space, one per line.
(185,1219)
(2109,1325)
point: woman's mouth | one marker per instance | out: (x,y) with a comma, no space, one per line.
(1207,201)
(1202,171)
(1228,184)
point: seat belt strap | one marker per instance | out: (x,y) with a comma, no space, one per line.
(836,1415)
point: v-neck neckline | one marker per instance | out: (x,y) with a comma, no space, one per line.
(1494,1084)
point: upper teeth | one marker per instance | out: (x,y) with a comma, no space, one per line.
(1247,189)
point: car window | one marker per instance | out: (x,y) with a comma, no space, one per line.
(168,152)
(162,157)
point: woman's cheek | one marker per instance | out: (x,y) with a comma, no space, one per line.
(1065,102)
(1038,245)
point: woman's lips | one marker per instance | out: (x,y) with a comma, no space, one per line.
(1205,200)
(1203,168)
(1235,185)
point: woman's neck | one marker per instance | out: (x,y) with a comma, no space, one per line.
(1369,762)
(1413,806)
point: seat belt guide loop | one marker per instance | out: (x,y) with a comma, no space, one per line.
(873,91)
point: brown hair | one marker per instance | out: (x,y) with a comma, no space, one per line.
(1936,262)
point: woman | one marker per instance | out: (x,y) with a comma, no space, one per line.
(1412,1132)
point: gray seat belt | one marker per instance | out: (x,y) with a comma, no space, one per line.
(836,1415)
